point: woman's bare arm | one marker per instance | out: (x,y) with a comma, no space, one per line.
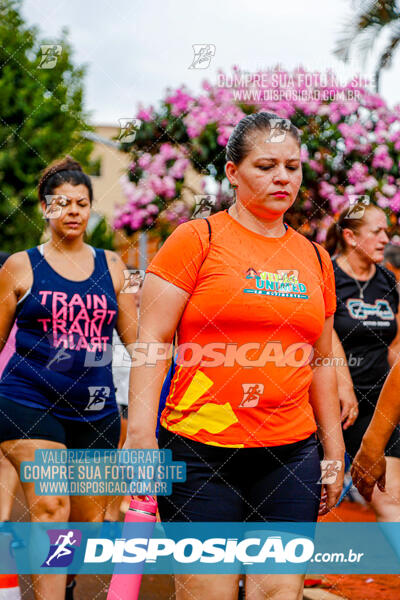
(162,305)
(347,398)
(126,325)
(15,279)
(325,402)
(394,348)
(369,465)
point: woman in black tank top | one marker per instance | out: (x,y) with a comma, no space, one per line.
(41,388)
(366,323)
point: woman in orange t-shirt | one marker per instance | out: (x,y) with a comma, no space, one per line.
(252,301)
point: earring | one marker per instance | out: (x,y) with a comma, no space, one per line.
(234,187)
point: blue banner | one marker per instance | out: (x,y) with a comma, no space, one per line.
(99,548)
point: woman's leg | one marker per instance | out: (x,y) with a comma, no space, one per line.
(114,503)
(101,434)
(289,492)
(8,487)
(208,494)
(386,505)
(274,587)
(210,587)
(43,509)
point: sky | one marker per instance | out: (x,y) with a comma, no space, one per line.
(136,49)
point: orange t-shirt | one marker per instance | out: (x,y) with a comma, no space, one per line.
(256,307)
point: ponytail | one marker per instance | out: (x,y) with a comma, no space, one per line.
(333,241)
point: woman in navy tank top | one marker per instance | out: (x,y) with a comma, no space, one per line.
(66,299)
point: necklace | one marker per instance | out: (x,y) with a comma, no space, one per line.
(361,288)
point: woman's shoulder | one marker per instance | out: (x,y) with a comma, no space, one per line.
(16,272)
(18,263)
(387,275)
(196,232)
(310,246)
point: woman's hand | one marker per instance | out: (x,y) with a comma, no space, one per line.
(368,469)
(348,406)
(332,474)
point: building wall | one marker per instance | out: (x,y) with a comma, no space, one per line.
(106,187)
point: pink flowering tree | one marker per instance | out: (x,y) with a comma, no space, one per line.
(350,147)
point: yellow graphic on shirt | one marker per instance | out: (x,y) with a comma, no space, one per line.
(211,417)
(197,387)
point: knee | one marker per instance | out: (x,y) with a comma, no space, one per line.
(386,505)
(50,509)
(273,588)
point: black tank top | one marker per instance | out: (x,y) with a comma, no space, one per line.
(366,327)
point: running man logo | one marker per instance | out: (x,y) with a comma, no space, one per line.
(98,397)
(204,203)
(61,552)
(128,129)
(54,205)
(358,309)
(278,130)
(329,471)
(133,281)
(357,206)
(58,360)
(50,54)
(251,394)
(203,54)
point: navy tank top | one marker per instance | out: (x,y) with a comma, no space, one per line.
(62,359)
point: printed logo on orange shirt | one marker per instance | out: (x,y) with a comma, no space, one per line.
(283,283)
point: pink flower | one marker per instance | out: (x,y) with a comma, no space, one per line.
(325,189)
(178,168)
(389,190)
(381,159)
(152,209)
(316,166)
(304,154)
(169,187)
(180,102)
(167,151)
(146,197)
(370,183)
(145,160)
(146,114)
(157,166)
(382,201)
(157,184)
(395,203)
(358,172)
(338,203)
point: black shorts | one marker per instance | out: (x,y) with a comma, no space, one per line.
(354,434)
(279,483)
(18,422)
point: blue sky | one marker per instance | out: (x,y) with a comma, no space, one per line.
(134,50)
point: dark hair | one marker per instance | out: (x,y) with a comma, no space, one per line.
(348,219)
(66,170)
(237,147)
